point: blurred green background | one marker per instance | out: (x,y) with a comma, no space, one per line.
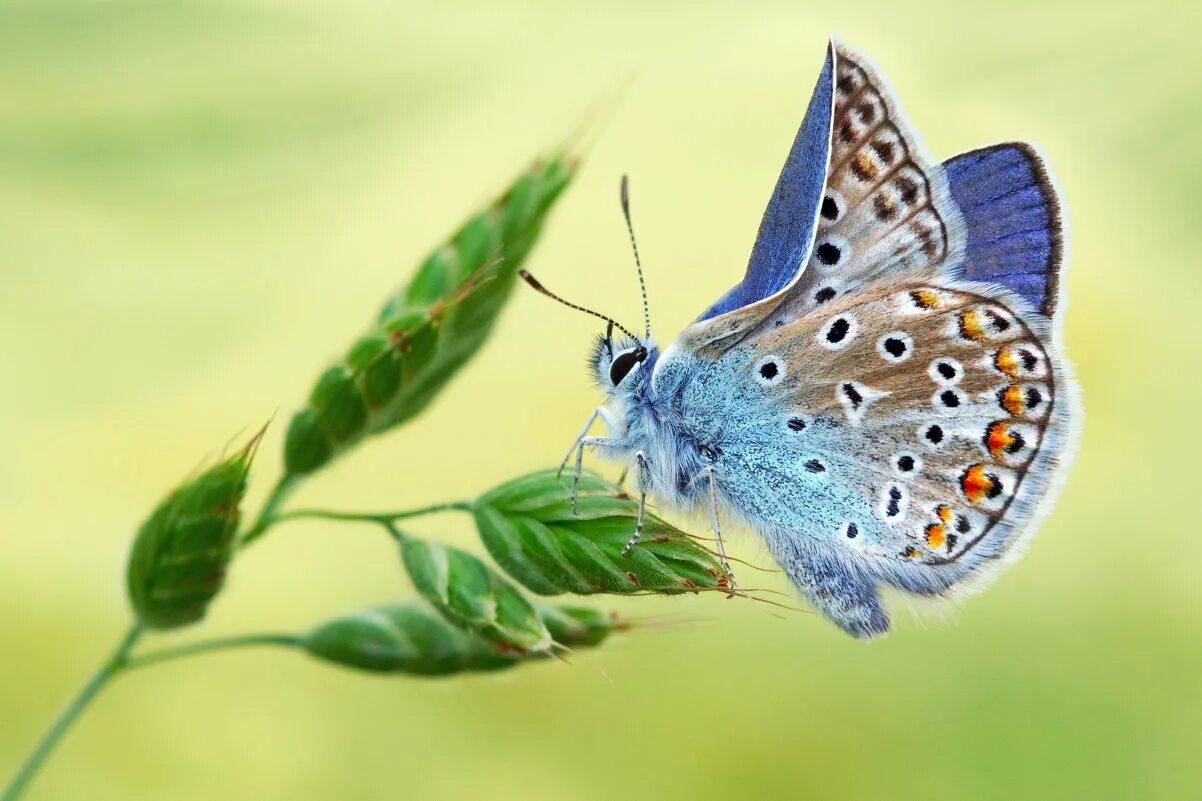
(203,202)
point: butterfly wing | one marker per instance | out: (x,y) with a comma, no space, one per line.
(885,208)
(1014,222)
(921,407)
(916,429)
(786,233)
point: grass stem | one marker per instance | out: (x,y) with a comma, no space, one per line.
(107,670)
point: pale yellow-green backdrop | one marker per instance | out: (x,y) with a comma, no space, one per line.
(202,202)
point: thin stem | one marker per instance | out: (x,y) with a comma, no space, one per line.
(109,668)
(222,643)
(268,515)
(373,517)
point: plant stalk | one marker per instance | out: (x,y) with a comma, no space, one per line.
(373,517)
(107,670)
(222,643)
(268,515)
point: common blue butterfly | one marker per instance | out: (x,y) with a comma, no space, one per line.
(883,397)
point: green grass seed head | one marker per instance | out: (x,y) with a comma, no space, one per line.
(412,638)
(178,561)
(430,328)
(403,638)
(473,596)
(579,626)
(530,529)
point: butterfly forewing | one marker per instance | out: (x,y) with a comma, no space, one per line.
(886,208)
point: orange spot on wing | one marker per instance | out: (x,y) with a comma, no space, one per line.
(925,299)
(998,438)
(976,483)
(972,326)
(864,167)
(935,535)
(943,512)
(910,553)
(1006,360)
(1012,400)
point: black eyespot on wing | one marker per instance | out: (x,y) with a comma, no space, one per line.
(852,531)
(949,398)
(946,369)
(824,294)
(1000,323)
(853,395)
(905,463)
(1030,360)
(934,435)
(815,466)
(769,370)
(894,347)
(962,524)
(624,362)
(908,189)
(830,209)
(796,424)
(1034,398)
(894,506)
(838,330)
(828,254)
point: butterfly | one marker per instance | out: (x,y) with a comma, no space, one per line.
(884,396)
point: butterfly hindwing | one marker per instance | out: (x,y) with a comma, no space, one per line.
(1013,217)
(939,408)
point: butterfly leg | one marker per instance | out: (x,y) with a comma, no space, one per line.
(576,442)
(640,461)
(730,575)
(581,444)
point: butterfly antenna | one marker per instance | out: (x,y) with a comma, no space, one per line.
(634,246)
(533,282)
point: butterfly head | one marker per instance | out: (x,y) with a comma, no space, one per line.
(619,365)
(613,361)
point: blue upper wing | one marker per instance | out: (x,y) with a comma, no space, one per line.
(786,234)
(1013,216)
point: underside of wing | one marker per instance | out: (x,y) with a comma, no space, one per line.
(886,208)
(946,412)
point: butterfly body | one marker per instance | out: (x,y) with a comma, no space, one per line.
(882,398)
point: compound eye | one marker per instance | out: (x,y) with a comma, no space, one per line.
(624,362)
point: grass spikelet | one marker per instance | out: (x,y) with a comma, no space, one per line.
(409,637)
(473,596)
(178,561)
(530,529)
(429,329)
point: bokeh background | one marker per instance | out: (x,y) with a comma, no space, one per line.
(203,202)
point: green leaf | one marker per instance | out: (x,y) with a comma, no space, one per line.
(529,528)
(430,328)
(473,596)
(410,637)
(179,558)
